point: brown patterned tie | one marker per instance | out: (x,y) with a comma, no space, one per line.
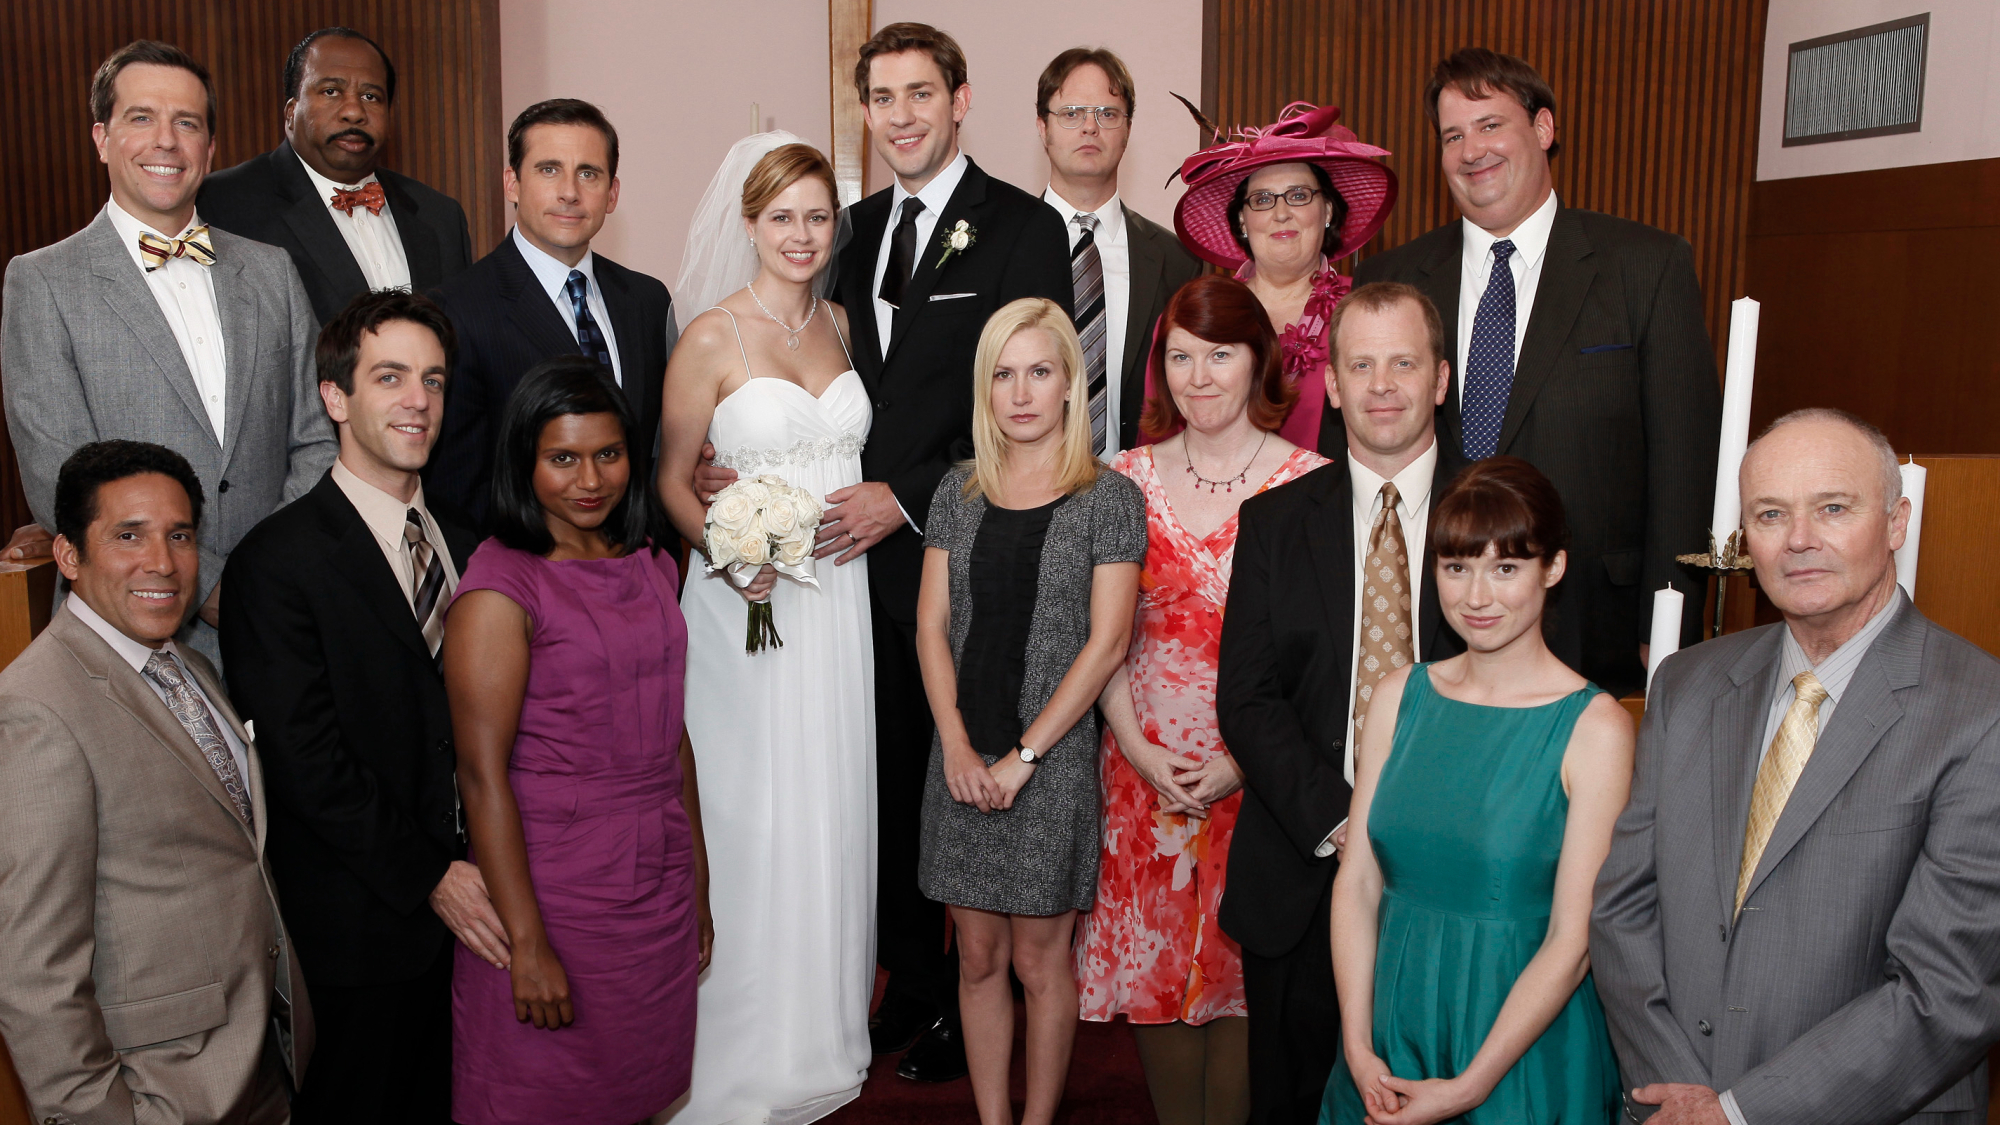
(1798,733)
(186,704)
(1385,606)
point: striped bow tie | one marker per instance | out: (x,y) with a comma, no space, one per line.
(345,200)
(154,250)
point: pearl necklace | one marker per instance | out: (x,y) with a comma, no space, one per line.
(793,341)
(1230,484)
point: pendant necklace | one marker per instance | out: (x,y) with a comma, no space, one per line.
(1230,484)
(793,341)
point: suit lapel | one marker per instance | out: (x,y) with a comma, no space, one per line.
(124,687)
(312,224)
(1148,277)
(1865,713)
(123,286)
(224,713)
(860,242)
(357,558)
(419,253)
(529,306)
(625,326)
(1330,541)
(1566,276)
(1439,280)
(964,204)
(236,308)
(1430,611)
(1736,723)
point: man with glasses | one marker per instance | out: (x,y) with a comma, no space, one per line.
(1124,266)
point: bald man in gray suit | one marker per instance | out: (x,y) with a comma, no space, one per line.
(1799,920)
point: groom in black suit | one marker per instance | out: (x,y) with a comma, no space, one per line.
(917,307)
(330,636)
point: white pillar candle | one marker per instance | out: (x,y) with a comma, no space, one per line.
(1906,558)
(1666,640)
(1738,373)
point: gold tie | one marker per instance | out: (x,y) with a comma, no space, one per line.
(1385,606)
(194,245)
(1780,771)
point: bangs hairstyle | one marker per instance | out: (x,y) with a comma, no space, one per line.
(1220,310)
(899,37)
(1077,466)
(339,348)
(567,384)
(1476,72)
(1504,503)
(780,169)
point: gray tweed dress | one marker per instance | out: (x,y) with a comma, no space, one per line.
(1040,856)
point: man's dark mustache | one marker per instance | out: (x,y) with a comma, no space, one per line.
(361,133)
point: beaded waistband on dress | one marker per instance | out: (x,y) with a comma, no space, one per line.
(805,451)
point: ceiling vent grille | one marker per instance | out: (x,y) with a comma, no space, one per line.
(1868,82)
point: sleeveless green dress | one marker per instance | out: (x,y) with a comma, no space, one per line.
(1467,824)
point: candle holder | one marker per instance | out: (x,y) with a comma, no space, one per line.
(1729,559)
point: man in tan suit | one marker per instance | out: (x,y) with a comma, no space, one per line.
(147,976)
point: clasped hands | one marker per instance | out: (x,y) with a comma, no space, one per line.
(856,518)
(1390,1100)
(1185,786)
(986,788)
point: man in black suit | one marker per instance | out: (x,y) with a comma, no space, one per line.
(1294,679)
(349,224)
(1124,267)
(543,293)
(330,633)
(1580,345)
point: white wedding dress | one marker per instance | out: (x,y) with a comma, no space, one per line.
(784,744)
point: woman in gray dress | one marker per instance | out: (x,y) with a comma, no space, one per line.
(1031,573)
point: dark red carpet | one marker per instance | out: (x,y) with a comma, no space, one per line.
(1106,1087)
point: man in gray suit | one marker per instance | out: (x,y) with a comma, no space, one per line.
(1797,922)
(147,325)
(148,976)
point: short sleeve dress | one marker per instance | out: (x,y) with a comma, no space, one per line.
(596,774)
(1020,615)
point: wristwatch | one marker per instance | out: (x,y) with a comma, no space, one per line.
(1030,755)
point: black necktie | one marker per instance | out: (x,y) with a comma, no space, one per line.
(588,336)
(902,254)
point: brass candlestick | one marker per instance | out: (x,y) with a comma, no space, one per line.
(1729,559)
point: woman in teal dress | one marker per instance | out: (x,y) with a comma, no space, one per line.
(1480,816)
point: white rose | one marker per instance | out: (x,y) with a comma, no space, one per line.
(808,507)
(959,239)
(754,549)
(770,480)
(732,511)
(721,551)
(781,515)
(756,492)
(793,551)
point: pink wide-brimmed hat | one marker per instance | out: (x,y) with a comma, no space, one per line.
(1304,134)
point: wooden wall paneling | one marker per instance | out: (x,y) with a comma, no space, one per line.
(849,24)
(448,126)
(1879,292)
(1656,101)
(1957,568)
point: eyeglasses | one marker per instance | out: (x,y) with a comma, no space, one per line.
(1071,116)
(1293,197)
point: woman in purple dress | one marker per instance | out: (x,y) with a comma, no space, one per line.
(567,653)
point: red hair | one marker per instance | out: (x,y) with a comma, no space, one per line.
(1220,310)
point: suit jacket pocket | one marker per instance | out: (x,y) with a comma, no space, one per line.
(162,1018)
(1622,568)
(1875,818)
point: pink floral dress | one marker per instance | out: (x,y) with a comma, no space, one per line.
(1151,949)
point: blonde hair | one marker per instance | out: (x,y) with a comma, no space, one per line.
(1076,466)
(781,168)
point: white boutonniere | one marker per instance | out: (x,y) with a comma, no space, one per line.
(956,240)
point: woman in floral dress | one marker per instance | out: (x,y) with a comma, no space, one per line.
(1151,949)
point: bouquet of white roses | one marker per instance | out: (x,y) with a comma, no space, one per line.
(757,521)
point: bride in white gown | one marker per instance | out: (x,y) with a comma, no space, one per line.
(785,738)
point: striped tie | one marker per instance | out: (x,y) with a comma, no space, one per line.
(1086,273)
(426,579)
(155,251)
(1798,733)
(588,336)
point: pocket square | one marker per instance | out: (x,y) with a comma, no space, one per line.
(951,296)
(1594,349)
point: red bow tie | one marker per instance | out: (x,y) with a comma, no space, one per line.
(368,195)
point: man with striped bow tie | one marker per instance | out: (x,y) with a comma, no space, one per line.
(149,326)
(332,636)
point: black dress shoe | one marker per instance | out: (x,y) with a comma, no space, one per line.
(895,1026)
(938,1056)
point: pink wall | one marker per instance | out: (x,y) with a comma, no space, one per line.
(678,78)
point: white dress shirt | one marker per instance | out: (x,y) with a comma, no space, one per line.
(185,291)
(136,654)
(1531,247)
(373,239)
(1413,508)
(554,276)
(1114,252)
(935,195)
(386,516)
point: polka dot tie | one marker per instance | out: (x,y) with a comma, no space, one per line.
(1489,363)
(1385,607)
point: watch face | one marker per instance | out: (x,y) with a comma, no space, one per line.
(1027,755)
